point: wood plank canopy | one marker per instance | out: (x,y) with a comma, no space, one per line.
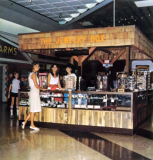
(93,38)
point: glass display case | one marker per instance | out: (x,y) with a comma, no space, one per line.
(102,100)
(143,80)
(82,100)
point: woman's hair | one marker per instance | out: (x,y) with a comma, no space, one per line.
(57,72)
(33,64)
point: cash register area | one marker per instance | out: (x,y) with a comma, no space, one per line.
(53,144)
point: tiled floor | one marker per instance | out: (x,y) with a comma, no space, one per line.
(51,144)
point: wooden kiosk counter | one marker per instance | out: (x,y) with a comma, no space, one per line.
(112,43)
(112,112)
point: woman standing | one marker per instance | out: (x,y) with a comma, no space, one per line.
(34,98)
(70,74)
(54,81)
(53,78)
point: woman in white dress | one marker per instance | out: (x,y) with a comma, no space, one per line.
(34,98)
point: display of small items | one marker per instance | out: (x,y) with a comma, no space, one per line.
(43,80)
(143,80)
(47,100)
(140,80)
(122,81)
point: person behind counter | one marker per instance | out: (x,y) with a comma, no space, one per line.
(70,74)
(54,81)
(34,98)
(53,78)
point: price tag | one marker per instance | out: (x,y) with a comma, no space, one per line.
(112,100)
(104,100)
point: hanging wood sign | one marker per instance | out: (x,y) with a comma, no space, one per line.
(71,53)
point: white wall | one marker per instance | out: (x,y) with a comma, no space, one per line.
(4,98)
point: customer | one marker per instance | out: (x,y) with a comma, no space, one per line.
(69,68)
(13,92)
(54,80)
(34,98)
(9,82)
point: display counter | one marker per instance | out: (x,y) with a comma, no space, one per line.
(111,112)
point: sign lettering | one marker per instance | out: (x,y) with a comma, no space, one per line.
(72,40)
(8,50)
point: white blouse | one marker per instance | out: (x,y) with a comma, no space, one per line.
(54,80)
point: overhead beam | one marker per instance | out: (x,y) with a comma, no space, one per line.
(98,58)
(117,56)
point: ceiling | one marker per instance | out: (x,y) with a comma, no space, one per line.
(79,13)
(126,13)
(61,11)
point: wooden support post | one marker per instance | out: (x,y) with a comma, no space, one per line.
(80,63)
(128,59)
(69,106)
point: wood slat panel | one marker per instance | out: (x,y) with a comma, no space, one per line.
(116,119)
(103,37)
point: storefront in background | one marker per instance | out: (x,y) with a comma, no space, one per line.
(11,60)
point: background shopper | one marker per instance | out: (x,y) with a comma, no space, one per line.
(13,93)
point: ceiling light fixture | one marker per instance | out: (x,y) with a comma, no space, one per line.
(99,1)
(145,3)
(68,19)
(62,22)
(81,10)
(90,5)
(75,15)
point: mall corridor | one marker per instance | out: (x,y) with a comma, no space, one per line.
(52,144)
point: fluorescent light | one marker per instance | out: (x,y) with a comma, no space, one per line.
(90,5)
(68,19)
(99,1)
(144,3)
(86,23)
(75,15)
(62,22)
(81,10)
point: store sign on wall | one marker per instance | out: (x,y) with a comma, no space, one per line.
(73,39)
(10,52)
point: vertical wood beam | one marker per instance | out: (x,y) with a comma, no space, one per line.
(128,59)
(80,63)
(69,107)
